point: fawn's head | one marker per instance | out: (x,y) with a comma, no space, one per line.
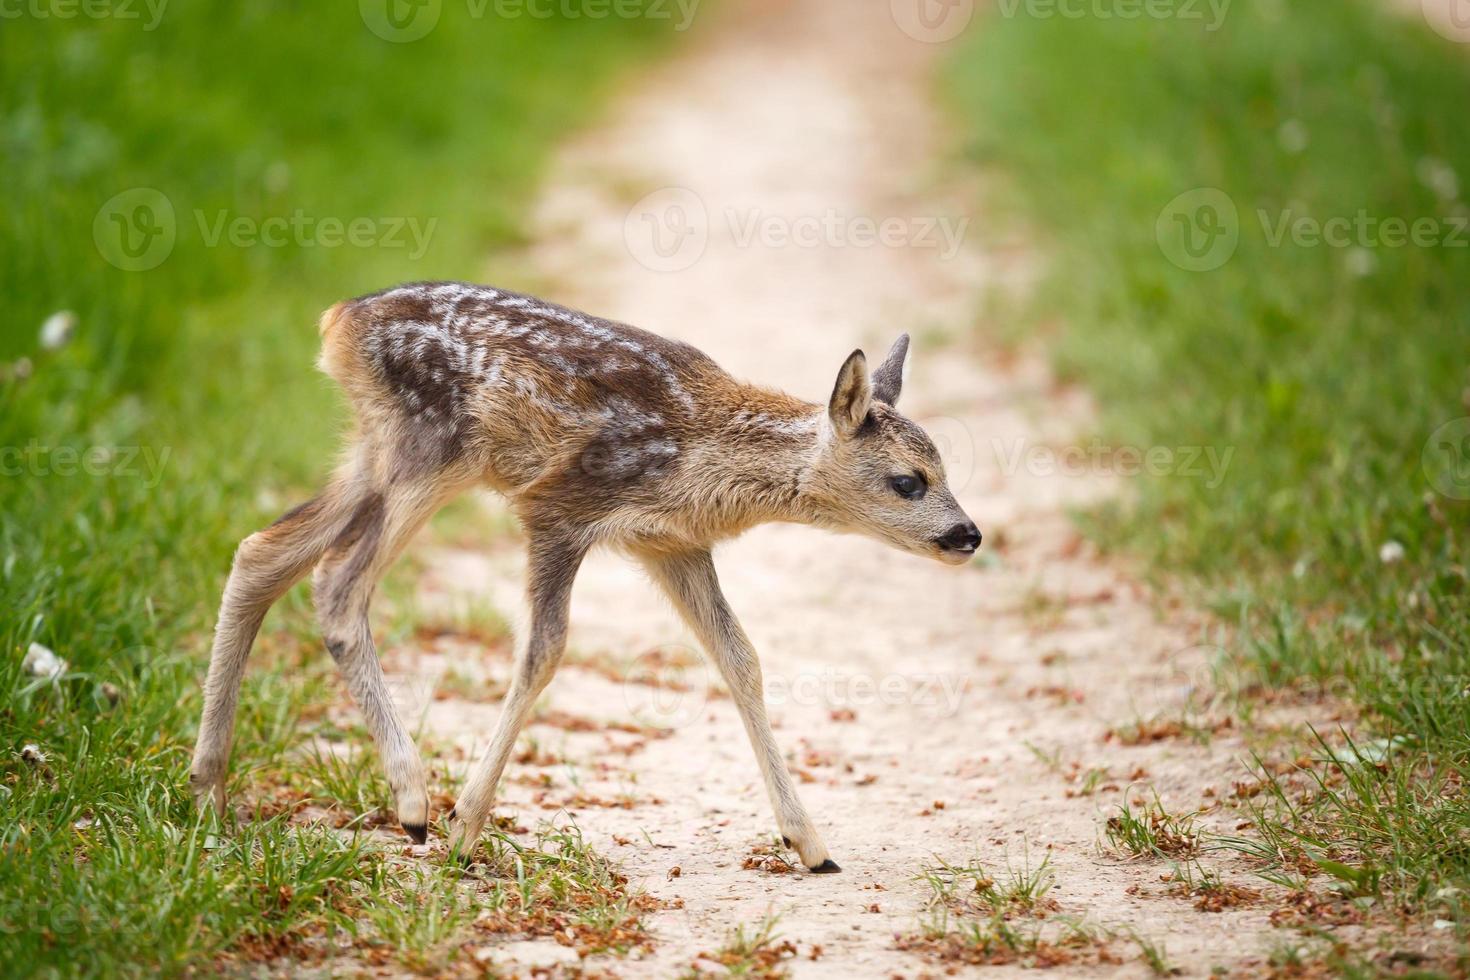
(878,473)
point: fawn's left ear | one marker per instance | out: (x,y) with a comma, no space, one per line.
(888,379)
(851,395)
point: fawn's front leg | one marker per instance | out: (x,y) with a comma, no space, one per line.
(552,568)
(689,579)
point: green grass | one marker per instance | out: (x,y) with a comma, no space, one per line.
(1150,830)
(196,374)
(758,952)
(1326,370)
(1155,956)
(971,887)
(561,887)
(977,917)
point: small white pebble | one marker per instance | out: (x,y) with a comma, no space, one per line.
(40,661)
(1360,262)
(1391,552)
(268,501)
(277,177)
(1293,136)
(58,329)
(1443,924)
(1439,177)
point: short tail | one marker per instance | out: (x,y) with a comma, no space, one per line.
(335,328)
(342,358)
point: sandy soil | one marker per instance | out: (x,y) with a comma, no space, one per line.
(935,713)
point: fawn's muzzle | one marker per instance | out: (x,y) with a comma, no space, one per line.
(964,536)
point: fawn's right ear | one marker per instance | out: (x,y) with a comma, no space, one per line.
(851,395)
(888,376)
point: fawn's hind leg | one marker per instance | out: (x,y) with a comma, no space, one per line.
(342,588)
(690,581)
(552,568)
(266,565)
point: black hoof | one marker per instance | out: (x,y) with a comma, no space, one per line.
(827,867)
(419,832)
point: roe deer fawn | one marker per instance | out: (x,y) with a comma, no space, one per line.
(597,433)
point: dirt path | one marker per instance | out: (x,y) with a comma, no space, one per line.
(898,686)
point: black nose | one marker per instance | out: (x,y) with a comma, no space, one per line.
(964,536)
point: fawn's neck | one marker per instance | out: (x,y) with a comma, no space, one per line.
(762,447)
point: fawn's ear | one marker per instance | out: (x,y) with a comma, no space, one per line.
(888,378)
(851,395)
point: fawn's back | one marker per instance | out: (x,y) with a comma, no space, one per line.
(548,405)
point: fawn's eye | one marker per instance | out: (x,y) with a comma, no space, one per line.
(908,487)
